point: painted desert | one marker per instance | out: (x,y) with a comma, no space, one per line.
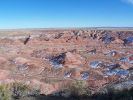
(57,61)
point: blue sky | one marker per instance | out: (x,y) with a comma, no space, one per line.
(65,13)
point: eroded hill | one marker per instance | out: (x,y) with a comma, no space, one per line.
(51,59)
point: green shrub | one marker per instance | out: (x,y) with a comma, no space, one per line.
(77,88)
(4,92)
(17,90)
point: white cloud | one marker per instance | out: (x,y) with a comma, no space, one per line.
(128,1)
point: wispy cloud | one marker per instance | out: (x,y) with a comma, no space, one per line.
(128,1)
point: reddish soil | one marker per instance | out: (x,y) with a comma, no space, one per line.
(47,59)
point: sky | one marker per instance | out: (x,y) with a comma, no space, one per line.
(65,13)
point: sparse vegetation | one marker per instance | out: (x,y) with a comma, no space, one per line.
(4,92)
(17,91)
(77,90)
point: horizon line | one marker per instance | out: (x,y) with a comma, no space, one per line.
(41,28)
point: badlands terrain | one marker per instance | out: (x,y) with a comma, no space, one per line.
(51,59)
